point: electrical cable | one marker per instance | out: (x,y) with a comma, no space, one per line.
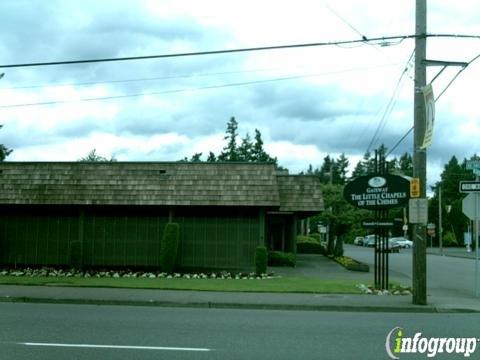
(54,102)
(390,105)
(377,40)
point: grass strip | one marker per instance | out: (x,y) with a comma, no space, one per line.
(275,285)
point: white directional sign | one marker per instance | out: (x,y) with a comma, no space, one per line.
(469,206)
(469,186)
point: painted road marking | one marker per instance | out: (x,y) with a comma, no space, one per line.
(115,346)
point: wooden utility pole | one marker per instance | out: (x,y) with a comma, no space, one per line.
(419,282)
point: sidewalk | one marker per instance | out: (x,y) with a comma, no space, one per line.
(454,252)
(308,265)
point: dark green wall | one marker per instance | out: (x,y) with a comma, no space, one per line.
(128,236)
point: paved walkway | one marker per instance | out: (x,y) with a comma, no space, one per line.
(308,265)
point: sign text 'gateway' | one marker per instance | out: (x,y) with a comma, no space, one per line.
(377,192)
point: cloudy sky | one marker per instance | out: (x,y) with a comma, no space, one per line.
(307,102)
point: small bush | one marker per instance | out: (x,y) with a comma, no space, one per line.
(303,238)
(169,247)
(76,258)
(278,258)
(352,264)
(310,247)
(316,236)
(261,258)
(449,239)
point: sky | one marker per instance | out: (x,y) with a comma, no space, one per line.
(307,102)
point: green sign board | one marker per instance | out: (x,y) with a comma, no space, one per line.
(377,192)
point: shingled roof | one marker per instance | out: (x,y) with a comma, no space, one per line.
(155,183)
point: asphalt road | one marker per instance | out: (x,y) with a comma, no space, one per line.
(449,276)
(48,331)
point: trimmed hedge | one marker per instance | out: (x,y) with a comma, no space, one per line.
(169,247)
(278,258)
(310,247)
(316,236)
(261,259)
(303,238)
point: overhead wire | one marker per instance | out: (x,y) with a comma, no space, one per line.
(390,106)
(436,99)
(209,87)
(376,40)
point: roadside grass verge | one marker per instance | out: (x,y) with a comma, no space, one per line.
(274,285)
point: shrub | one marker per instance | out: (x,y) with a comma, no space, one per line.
(316,236)
(449,239)
(278,258)
(169,247)
(76,258)
(310,247)
(261,258)
(303,238)
(352,264)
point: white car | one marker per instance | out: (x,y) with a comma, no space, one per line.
(403,242)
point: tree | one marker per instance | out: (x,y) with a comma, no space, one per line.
(92,156)
(245,150)
(4,151)
(342,168)
(258,152)
(211,157)
(229,152)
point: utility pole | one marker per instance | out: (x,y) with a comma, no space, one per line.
(419,270)
(440,228)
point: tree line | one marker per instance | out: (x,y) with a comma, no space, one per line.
(343,219)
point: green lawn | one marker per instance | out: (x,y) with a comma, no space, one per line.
(283,284)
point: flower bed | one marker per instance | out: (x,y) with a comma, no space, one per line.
(56,272)
(351,264)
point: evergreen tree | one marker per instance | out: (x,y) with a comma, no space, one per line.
(211,157)
(342,168)
(92,156)
(229,152)
(258,152)
(405,165)
(245,150)
(4,151)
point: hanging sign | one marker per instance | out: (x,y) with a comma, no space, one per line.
(377,192)
(429,116)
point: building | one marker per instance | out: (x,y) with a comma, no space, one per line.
(117,212)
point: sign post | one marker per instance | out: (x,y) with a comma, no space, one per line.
(471,208)
(379,193)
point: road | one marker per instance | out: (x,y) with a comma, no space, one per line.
(447,276)
(54,331)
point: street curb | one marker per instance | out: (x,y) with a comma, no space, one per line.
(242,306)
(453,255)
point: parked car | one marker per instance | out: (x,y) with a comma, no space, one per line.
(393,246)
(358,241)
(369,241)
(403,242)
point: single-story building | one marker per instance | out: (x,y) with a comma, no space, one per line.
(118,210)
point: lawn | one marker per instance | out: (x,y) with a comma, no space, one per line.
(276,285)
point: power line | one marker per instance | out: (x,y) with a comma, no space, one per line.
(54,102)
(438,97)
(400,141)
(214,52)
(390,105)
(457,75)
(182,76)
(383,41)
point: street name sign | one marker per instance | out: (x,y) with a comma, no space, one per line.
(474,165)
(378,224)
(469,186)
